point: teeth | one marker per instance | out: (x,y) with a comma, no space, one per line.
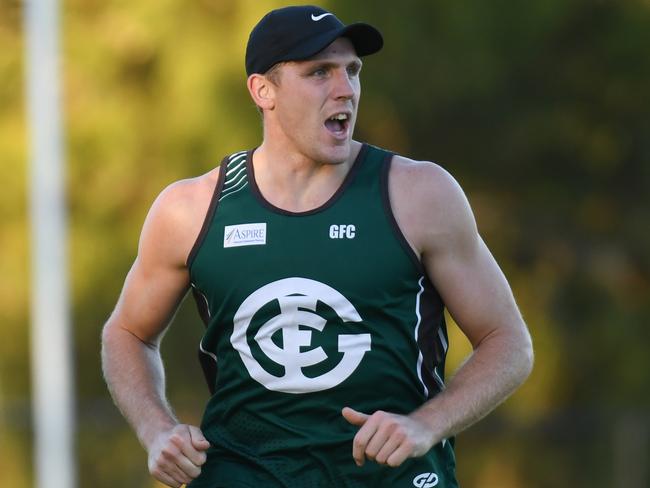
(339,117)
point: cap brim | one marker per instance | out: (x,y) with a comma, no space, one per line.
(364,37)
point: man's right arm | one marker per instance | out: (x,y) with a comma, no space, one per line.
(131,360)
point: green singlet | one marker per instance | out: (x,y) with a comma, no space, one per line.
(307,313)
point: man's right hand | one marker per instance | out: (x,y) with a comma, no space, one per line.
(176,455)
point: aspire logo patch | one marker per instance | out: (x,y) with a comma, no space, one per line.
(244,235)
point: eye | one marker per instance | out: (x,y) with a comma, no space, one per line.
(319,72)
(354,70)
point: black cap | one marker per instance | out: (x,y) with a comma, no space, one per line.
(296,33)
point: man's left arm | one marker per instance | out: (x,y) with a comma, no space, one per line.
(476,293)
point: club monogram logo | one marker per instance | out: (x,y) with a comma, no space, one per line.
(297,299)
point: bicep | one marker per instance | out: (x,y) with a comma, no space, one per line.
(151,295)
(465,273)
(437,220)
(474,288)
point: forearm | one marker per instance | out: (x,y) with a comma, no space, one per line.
(135,377)
(496,368)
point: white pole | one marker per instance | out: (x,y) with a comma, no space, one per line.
(52,386)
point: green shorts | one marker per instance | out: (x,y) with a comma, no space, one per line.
(313,469)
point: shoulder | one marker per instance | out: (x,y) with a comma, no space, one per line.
(428,180)
(429,204)
(176,217)
(183,198)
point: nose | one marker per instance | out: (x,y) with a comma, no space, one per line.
(344,86)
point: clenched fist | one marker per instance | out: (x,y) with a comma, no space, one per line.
(176,455)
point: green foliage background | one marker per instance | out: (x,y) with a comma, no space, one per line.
(540,109)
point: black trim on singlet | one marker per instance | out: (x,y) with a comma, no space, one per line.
(331,201)
(212,208)
(208,363)
(388,209)
(210,370)
(431,310)
(201,305)
(432,323)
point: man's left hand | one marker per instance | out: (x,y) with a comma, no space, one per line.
(388,438)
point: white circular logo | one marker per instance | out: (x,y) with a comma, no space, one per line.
(297,299)
(425,480)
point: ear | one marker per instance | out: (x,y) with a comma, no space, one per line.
(262,91)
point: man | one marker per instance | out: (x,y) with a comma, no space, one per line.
(321,267)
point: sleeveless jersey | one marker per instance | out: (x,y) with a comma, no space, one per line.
(307,313)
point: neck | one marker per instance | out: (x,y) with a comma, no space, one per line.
(295,182)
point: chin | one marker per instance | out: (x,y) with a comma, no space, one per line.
(337,154)
(338,157)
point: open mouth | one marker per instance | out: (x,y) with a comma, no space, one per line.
(338,124)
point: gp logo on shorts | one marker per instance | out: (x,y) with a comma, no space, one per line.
(425,480)
(297,299)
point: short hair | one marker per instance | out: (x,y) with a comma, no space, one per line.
(273,73)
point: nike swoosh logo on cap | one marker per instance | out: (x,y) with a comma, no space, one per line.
(316,18)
